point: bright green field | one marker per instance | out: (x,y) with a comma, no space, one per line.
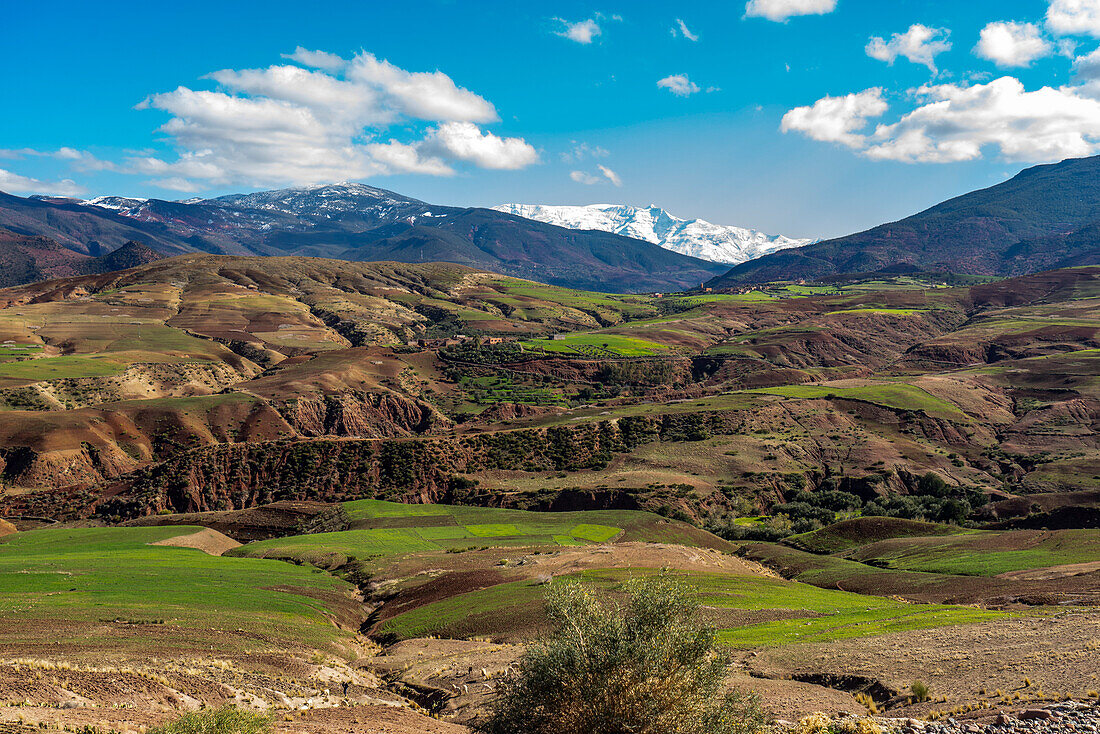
(55,368)
(985,553)
(92,575)
(606,344)
(827,615)
(885,311)
(891,395)
(382,529)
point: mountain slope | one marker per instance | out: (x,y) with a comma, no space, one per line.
(357,222)
(1044,217)
(25,259)
(693,237)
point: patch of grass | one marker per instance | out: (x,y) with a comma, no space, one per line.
(822,615)
(488,525)
(595,343)
(885,311)
(862,531)
(984,553)
(891,395)
(85,575)
(56,368)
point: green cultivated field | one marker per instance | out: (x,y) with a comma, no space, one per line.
(861,531)
(898,396)
(819,615)
(56,368)
(388,528)
(88,576)
(605,344)
(985,553)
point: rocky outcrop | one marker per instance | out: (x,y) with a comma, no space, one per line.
(361,415)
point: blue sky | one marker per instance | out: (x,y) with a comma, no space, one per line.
(766,115)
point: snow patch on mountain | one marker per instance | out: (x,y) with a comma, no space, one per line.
(695,237)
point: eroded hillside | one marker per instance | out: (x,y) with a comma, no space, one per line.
(212,383)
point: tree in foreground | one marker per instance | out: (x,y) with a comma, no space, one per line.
(224,720)
(649,667)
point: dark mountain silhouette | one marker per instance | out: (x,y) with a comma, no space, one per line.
(1045,217)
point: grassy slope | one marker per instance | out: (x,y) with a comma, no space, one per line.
(390,528)
(92,575)
(862,531)
(898,396)
(823,615)
(985,553)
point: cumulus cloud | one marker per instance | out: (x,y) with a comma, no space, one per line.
(837,119)
(679,84)
(585,178)
(464,141)
(1088,66)
(1009,44)
(958,122)
(583,31)
(16,184)
(681,29)
(781,10)
(1074,17)
(286,124)
(919,44)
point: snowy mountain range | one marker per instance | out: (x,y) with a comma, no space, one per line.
(350,221)
(694,237)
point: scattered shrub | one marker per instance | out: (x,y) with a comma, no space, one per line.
(650,667)
(224,720)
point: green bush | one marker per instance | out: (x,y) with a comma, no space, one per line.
(224,720)
(919,690)
(651,666)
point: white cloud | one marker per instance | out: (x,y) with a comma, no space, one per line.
(956,122)
(679,84)
(422,95)
(583,31)
(837,119)
(1088,66)
(317,59)
(588,179)
(285,124)
(682,29)
(781,10)
(582,150)
(1012,44)
(1074,17)
(464,141)
(919,44)
(610,175)
(14,183)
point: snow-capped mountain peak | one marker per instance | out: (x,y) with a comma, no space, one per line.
(319,200)
(695,237)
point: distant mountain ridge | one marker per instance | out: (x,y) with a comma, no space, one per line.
(1044,218)
(695,237)
(357,222)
